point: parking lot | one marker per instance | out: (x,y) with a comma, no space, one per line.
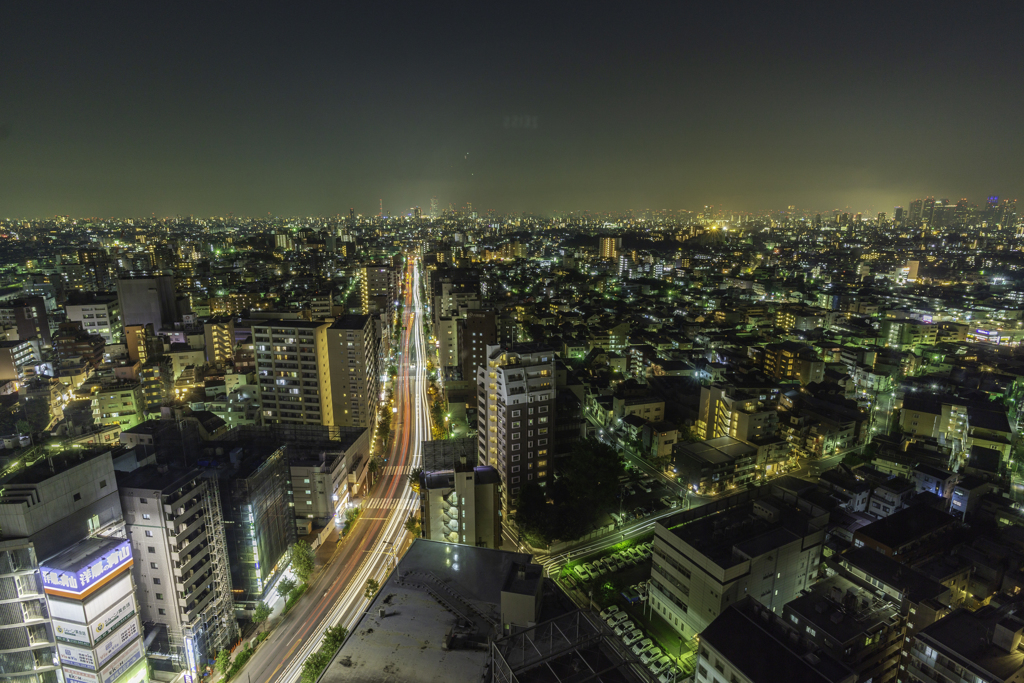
(642,494)
(615,580)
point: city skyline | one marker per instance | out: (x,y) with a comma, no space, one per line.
(532,110)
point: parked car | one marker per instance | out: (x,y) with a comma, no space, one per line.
(649,656)
(616,619)
(659,665)
(669,502)
(608,611)
(625,627)
(642,646)
(632,637)
(673,674)
(583,572)
(645,486)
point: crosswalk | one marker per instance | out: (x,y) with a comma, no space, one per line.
(390,504)
(397,469)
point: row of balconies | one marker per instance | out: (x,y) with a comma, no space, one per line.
(191,561)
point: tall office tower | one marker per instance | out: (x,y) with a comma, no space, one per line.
(28,316)
(433,208)
(64,564)
(516,416)
(881,219)
(927,210)
(176,525)
(898,216)
(147,300)
(379,289)
(292,370)
(1008,212)
(610,247)
(992,209)
(99,314)
(961,212)
(477,330)
(817,220)
(353,360)
(916,207)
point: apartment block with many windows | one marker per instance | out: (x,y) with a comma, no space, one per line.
(516,416)
(292,371)
(354,378)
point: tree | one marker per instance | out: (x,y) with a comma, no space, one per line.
(334,636)
(223,662)
(587,487)
(261,613)
(37,412)
(372,586)
(285,587)
(414,479)
(412,525)
(351,517)
(303,560)
(314,666)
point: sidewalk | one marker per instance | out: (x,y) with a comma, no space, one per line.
(321,557)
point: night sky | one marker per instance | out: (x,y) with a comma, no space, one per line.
(123,110)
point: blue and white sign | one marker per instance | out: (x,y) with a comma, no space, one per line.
(111,646)
(79,582)
(122,662)
(77,676)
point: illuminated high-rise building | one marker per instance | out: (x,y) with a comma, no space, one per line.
(927,209)
(916,208)
(610,247)
(516,416)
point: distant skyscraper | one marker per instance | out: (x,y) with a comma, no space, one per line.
(898,215)
(915,211)
(433,208)
(928,209)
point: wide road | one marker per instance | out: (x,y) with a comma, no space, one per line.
(336,595)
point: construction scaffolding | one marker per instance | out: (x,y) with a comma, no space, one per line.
(215,627)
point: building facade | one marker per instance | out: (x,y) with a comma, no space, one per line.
(515,423)
(174,521)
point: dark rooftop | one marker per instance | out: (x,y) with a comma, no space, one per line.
(918,586)
(907,526)
(759,649)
